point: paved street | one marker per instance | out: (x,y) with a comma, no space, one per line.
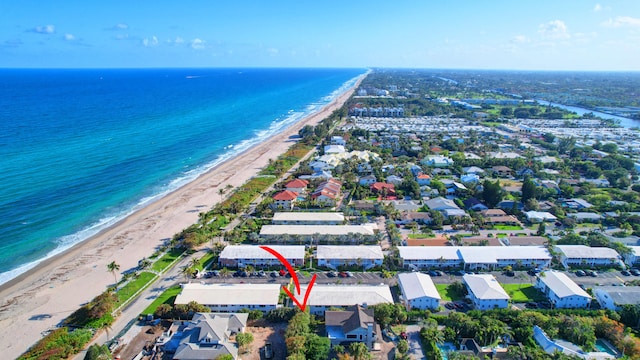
(413,337)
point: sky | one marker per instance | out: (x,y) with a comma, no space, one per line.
(496,34)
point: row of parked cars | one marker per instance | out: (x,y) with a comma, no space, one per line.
(342,274)
(591,273)
(630,272)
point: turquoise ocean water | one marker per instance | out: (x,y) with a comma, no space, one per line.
(81,149)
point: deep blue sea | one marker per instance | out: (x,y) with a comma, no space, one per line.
(81,149)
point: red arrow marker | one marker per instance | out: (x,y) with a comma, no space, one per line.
(294,277)
(302,306)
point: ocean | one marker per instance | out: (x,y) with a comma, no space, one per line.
(82,149)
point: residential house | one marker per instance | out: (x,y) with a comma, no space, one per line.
(423,179)
(367,180)
(583,256)
(327,193)
(539,216)
(324,297)
(498,217)
(252,255)
(284,199)
(405,205)
(383,189)
(318,166)
(338,256)
(615,297)
(473,170)
(308,218)
(437,161)
(395,180)
(576,203)
(470,178)
(231,297)
(485,292)
(469,346)
(206,336)
(502,171)
(454,187)
(407,217)
(418,291)
(338,140)
(524,240)
(582,217)
(320,233)
(474,204)
(633,258)
(334,149)
(298,186)
(510,204)
(355,324)
(561,291)
(441,204)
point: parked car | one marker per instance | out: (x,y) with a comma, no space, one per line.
(635,272)
(274,274)
(332,274)
(349,273)
(509,273)
(580,273)
(439,273)
(625,272)
(531,305)
(449,306)
(343,274)
(268,350)
(593,273)
(403,335)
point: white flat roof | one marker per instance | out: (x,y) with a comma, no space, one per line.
(349,252)
(365,229)
(587,252)
(561,284)
(229,294)
(474,254)
(308,216)
(255,252)
(415,285)
(635,250)
(491,254)
(348,295)
(429,252)
(485,287)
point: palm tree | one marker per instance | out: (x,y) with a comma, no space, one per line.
(187,271)
(221,192)
(113,267)
(106,327)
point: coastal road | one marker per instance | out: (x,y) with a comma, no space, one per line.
(134,309)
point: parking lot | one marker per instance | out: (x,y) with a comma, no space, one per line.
(323,277)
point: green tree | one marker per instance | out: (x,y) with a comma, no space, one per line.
(492,193)
(529,190)
(98,352)
(317,347)
(113,268)
(403,346)
(225,357)
(243,340)
(359,351)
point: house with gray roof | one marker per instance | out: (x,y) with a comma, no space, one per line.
(581,255)
(561,291)
(324,297)
(206,336)
(614,297)
(441,204)
(355,324)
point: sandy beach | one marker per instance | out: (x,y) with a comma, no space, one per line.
(39,299)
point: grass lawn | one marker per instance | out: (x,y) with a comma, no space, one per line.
(205,260)
(447,294)
(421,236)
(507,227)
(167,297)
(521,293)
(127,291)
(166,259)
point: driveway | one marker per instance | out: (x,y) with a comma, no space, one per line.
(413,337)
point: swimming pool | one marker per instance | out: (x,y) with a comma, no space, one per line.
(445,348)
(604,346)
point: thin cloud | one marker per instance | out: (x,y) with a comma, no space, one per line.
(555,29)
(597,8)
(118,27)
(197,44)
(150,42)
(45,29)
(520,39)
(622,21)
(177,41)
(69,37)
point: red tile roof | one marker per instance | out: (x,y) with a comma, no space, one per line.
(285,195)
(297,184)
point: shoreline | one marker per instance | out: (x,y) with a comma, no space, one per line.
(41,297)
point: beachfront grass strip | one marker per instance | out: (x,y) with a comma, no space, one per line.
(167,259)
(522,293)
(167,297)
(131,288)
(204,261)
(448,293)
